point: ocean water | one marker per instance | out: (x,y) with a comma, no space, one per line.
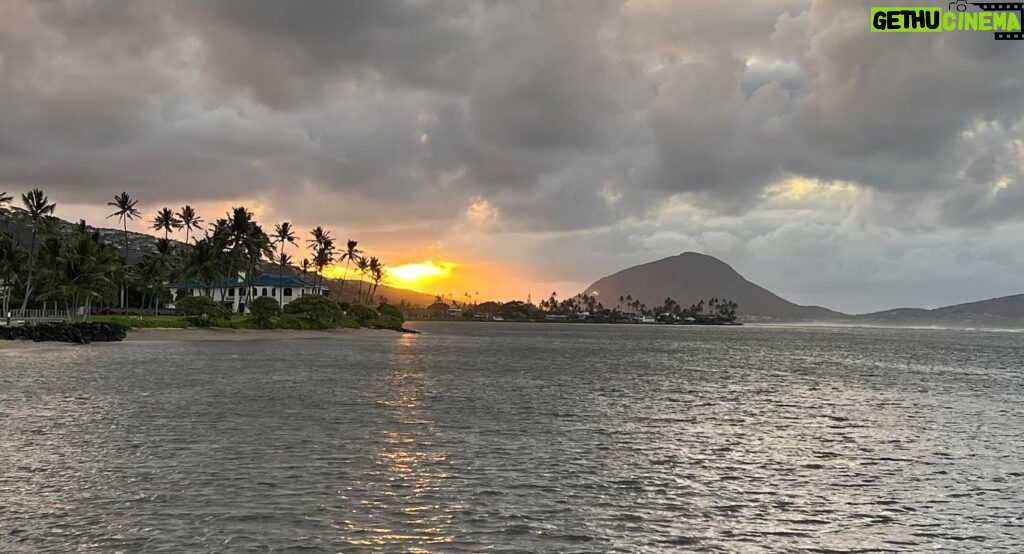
(519,438)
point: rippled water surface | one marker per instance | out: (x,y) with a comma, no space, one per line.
(512,437)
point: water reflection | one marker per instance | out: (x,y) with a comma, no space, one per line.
(404,505)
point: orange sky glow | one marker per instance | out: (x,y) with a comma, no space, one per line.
(426,268)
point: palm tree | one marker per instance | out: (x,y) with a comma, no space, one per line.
(79,272)
(377,274)
(189,220)
(39,208)
(12,260)
(285,260)
(203,263)
(125,210)
(322,257)
(166,220)
(244,242)
(154,270)
(283,235)
(351,253)
(322,246)
(362,264)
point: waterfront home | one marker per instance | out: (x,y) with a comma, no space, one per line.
(232,292)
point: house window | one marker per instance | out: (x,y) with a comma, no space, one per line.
(231,291)
(288,292)
(273,292)
(264,291)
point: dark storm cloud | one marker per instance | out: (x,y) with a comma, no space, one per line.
(287,53)
(563,115)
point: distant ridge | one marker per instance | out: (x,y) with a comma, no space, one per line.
(1004,312)
(691,277)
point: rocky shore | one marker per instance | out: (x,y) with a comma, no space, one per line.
(78,333)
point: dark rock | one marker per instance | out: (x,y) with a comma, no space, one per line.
(77,333)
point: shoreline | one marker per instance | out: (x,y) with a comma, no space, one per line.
(193,334)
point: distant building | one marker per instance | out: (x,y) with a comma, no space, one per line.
(438,310)
(232,291)
(556,317)
(455,312)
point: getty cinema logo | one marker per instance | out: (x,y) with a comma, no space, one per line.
(1003,18)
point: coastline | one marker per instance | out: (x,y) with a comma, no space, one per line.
(193,334)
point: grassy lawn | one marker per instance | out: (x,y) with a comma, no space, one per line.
(179,322)
(144,322)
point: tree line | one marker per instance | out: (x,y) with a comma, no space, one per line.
(77,271)
(588,307)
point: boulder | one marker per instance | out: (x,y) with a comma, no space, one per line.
(77,333)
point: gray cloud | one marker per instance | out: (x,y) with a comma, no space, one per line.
(572,119)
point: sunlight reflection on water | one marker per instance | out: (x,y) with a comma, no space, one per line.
(559,438)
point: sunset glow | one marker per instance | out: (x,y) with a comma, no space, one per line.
(419,274)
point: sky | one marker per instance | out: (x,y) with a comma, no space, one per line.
(514,148)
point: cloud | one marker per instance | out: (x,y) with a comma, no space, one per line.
(611,132)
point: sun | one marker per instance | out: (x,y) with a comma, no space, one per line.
(417,274)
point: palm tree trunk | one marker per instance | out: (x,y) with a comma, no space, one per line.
(31,266)
(344,277)
(124,284)
(224,289)
(280,277)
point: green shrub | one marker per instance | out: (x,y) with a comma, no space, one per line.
(391,311)
(365,315)
(245,323)
(146,322)
(315,307)
(389,323)
(263,310)
(200,306)
(391,317)
(348,323)
(201,320)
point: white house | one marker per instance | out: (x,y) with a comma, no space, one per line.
(232,291)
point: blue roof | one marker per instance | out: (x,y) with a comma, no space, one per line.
(259,281)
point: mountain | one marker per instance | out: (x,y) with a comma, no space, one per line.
(1004,312)
(691,277)
(16,222)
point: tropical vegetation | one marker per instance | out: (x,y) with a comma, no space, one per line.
(584,308)
(48,266)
